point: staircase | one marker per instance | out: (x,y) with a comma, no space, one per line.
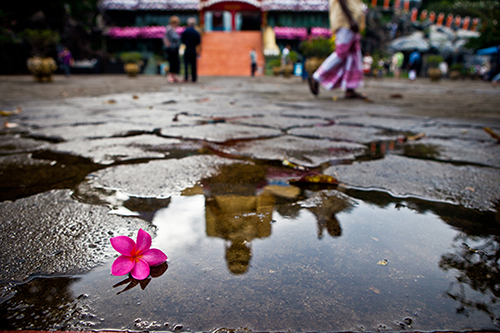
(228,53)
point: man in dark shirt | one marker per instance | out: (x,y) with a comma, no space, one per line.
(191,38)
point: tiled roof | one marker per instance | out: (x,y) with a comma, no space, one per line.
(139,32)
(149,4)
(208,3)
(300,33)
(266,5)
(295,5)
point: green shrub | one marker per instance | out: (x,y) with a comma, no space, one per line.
(434,60)
(317,47)
(131,57)
(41,41)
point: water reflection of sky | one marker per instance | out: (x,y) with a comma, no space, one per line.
(295,279)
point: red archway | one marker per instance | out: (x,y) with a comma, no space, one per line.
(233,7)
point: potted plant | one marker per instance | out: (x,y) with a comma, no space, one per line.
(42,42)
(133,61)
(457,71)
(433,70)
(316,50)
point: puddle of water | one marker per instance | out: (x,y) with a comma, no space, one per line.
(247,251)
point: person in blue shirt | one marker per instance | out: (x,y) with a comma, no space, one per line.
(414,65)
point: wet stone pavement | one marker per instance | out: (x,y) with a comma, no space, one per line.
(216,164)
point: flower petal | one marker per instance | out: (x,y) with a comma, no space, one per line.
(154,257)
(143,241)
(122,265)
(124,245)
(141,270)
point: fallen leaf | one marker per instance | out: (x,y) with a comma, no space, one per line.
(470,189)
(293,165)
(135,97)
(375,290)
(375,239)
(493,134)
(5,113)
(335,98)
(396,96)
(383,262)
(415,137)
(201,100)
(316,179)
(10,125)
(110,101)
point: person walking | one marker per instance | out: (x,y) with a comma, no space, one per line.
(67,61)
(343,68)
(253,61)
(171,43)
(191,38)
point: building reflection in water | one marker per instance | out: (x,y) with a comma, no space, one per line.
(239,203)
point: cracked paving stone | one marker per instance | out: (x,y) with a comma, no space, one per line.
(470,186)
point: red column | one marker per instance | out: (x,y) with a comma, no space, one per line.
(423,15)
(466,23)
(458,21)
(449,20)
(414,14)
(397,4)
(432,17)
(386,4)
(407,5)
(440,19)
(374,3)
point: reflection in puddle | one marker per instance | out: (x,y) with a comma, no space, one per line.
(247,250)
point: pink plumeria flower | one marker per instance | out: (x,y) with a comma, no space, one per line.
(135,257)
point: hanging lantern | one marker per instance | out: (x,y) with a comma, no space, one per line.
(423,15)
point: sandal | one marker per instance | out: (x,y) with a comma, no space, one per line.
(313,86)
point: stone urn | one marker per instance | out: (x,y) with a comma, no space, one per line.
(276,70)
(455,75)
(313,63)
(132,69)
(434,74)
(288,70)
(42,68)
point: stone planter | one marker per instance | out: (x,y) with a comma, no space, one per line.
(131,69)
(454,75)
(288,70)
(276,71)
(42,68)
(313,63)
(434,74)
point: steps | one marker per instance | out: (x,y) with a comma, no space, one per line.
(228,53)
